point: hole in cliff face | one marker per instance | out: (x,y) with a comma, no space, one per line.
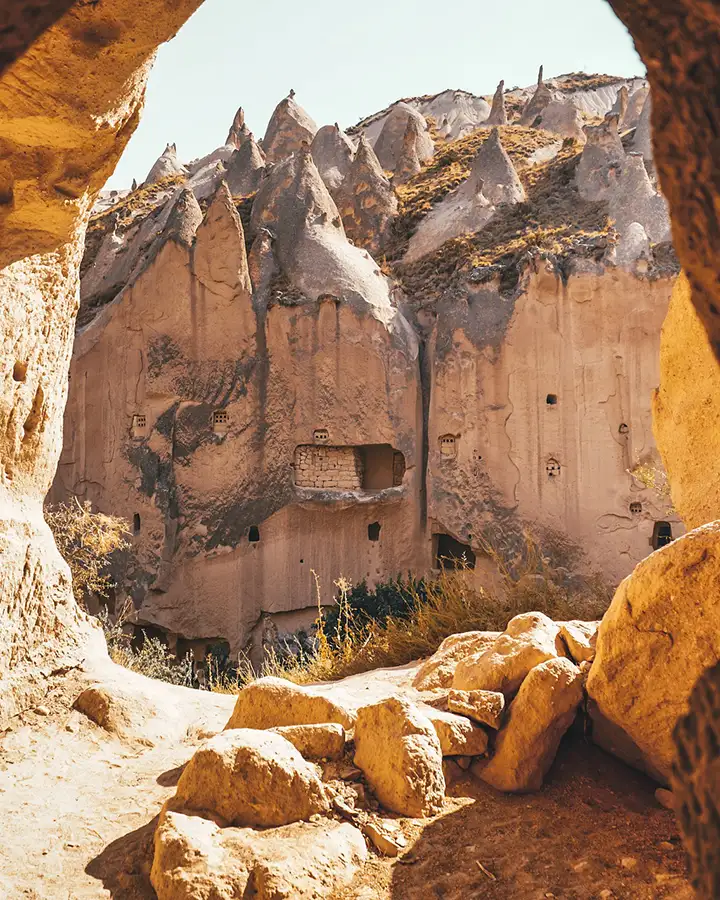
(552,467)
(623,429)
(220,421)
(321,435)
(254,534)
(635,509)
(451,554)
(662,535)
(551,399)
(20,371)
(373,467)
(378,461)
(139,425)
(136,523)
(32,423)
(374,531)
(448,446)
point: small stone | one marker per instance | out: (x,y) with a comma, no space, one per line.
(664,798)
(382,840)
(628,862)
(665,845)
(42,711)
(582,866)
(485,707)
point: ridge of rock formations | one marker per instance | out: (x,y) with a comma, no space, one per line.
(601,159)
(289,127)
(493,181)
(366,200)
(498,113)
(332,152)
(389,145)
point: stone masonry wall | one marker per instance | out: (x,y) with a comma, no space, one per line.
(333,468)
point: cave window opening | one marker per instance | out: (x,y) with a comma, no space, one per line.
(220,421)
(451,554)
(374,531)
(139,425)
(623,429)
(321,435)
(551,400)
(254,534)
(379,466)
(448,446)
(136,523)
(662,535)
(635,508)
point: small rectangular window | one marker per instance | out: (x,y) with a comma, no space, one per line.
(139,425)
(220,421)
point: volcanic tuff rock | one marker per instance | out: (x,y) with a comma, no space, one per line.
(601,159)
(498,113)
(537,719)
(250,777)
(542,97)
(332,152)
(318,741)
(648,655)
(642,139)
(166,164)
(635,106)
(634,199)
(485,707)
(239,132)
(398,750)
(366,200)
(686,409)
(289,127)
(438,670)
(563,119)
(389,145)
(458,736)
(270,702)
(246,168)
(408,163)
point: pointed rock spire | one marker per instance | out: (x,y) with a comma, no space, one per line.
(492,168)
(601,160)
(388,146)
(288,127)
(184,219)
(642,140)
(309,243)
(498,113)
(332,152)
(537,103)
(366,200)
(166,164)
(133,186)
(409,163)
(619,107)
(634,199)
(246,168)
(636,101)
(220,260)
(239,131)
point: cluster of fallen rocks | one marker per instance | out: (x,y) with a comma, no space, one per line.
(289,797)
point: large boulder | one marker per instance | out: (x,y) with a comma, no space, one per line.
(580,639)
(660,634)
(326,741)
(195,859)
(438,670)
(398,750)
(250,777)
(538,718)
(485,707)
(529,639)
(269,702)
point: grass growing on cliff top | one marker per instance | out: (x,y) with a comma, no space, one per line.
(436,608)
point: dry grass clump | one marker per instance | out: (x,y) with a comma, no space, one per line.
(652,476)
(582,81)
(447,604)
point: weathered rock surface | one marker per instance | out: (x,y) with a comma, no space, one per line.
(246,168)
(563,119)
(438,670)
(494,167)
(528,640)
(580,639)
(458,736)
(239,132)
(288,129)
(399,752)
(632,245)
(332,152)
(634,199)
(601,160)
(686,409)
(165,165)
(408,163)
(642,139)
(270,702)
(537,719)
(485,707)
(649,653)
(498,113)
(195,859)
(366,200)
(635,106)
(388,147)
(323,741)
(542,97)
(250,777)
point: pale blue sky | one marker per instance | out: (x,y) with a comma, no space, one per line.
(348,59)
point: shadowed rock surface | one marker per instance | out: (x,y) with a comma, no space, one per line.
(634,199)
(498,113)
(389,145)
(332,152)
(601,160)
(246,168)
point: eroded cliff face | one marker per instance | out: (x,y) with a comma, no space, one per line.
(69,105)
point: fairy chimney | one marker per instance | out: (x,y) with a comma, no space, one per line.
(389,144)
(537,103)
(165,165)
(246,168)
(498,113)
(288,127)
(408,164)
(239,132)
(494,168)
(332,152)
(601,160)
(634,199)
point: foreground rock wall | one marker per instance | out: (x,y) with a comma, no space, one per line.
(68,107)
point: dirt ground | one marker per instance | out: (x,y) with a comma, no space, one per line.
(78,806)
